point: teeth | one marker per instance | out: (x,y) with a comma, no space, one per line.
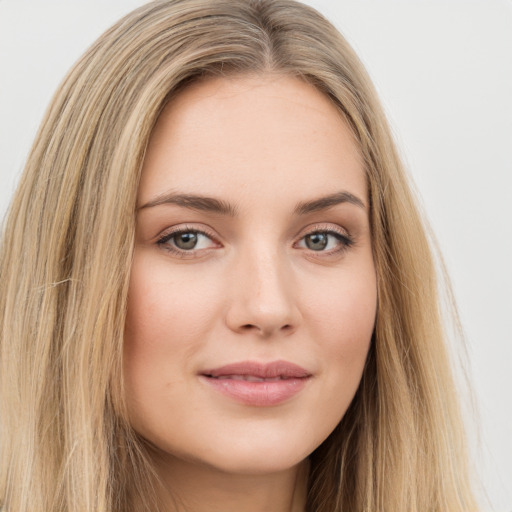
(250,378)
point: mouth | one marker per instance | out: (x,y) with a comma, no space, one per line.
(258,384)
(249,378)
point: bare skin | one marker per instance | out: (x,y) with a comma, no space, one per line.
(253,252)
(190,489)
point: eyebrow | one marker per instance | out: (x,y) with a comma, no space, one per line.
(323,203)
(213,205)
(194,202)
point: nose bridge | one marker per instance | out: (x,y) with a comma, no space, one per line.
(263,299)
(268,273)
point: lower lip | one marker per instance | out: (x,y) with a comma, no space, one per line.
(261,394)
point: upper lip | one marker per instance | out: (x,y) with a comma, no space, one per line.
(283,369)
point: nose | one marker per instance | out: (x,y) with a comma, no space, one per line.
(263,298)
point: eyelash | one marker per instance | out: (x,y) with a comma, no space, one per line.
(344,239)
(163,241)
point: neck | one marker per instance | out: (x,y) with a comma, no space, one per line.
(190,487)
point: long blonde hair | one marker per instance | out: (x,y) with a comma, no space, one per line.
(65,263)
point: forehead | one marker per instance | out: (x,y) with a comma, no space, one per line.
(249,134)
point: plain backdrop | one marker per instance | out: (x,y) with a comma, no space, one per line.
(443,69)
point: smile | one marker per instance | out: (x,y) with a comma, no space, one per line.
(251,378)
(257,384)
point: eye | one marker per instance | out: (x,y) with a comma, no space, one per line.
(325,241)
(186,240)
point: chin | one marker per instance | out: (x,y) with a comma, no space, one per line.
(255,453)
(257,462)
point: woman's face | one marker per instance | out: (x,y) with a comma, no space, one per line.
(253,294)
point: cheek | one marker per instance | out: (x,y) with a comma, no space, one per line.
(168,318)
(167,307)
(345,306)
(342,319)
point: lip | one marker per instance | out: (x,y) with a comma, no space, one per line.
(258,384)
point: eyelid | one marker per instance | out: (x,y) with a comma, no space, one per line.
(169,233)
(323,227)
(345,238)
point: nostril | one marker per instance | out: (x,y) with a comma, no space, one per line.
(250,327)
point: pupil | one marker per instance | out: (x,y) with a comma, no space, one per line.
(316,241)
(186,240)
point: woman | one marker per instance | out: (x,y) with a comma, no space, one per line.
(228,300)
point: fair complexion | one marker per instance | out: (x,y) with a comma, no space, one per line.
(253,249)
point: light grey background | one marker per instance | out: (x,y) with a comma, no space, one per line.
(443,69)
